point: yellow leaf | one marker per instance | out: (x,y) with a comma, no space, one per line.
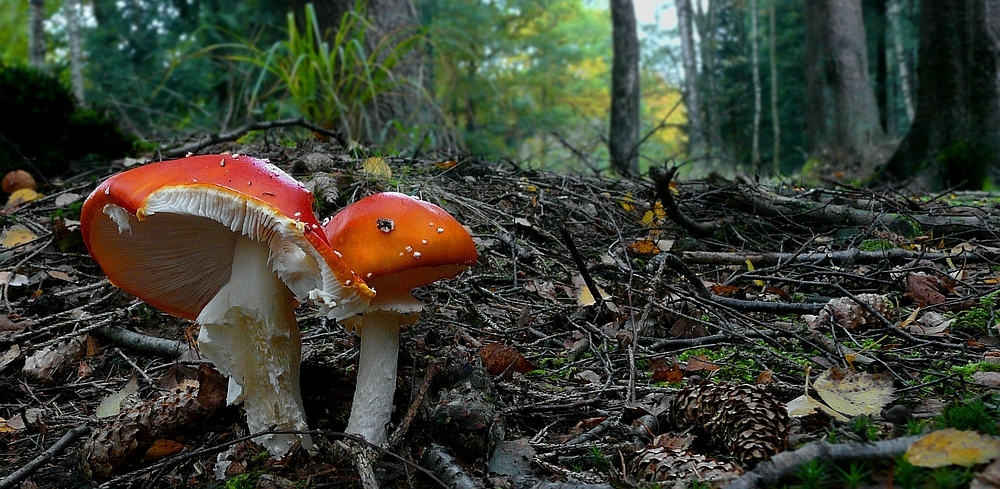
(377,167)
(628,202)
(804,405)
(760,283)
(645,247)
(15,235)
(22,196)
(655,216)
(583,296)
(953,447)
(854,393)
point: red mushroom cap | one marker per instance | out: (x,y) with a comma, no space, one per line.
(159,231)
(395,242)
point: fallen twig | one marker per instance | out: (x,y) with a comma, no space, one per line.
(437,459)
(46,456)
(768,473)
(141,343)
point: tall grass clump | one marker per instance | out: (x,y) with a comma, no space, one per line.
(335,82)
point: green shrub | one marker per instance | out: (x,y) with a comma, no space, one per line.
(43,129)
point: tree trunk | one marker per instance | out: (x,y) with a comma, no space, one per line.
(696,135)
(953,140)
(755,64)
(705,22)
(75,52)
(881,65)
(623,137)
(843,121)
(892,12)
(775,119)
(36,33)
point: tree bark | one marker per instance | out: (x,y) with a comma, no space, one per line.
(899,50)
(775,119)
(705,22)
(36,33)
(755,62)
(624,131)
(696,144)
(75,51)
(843,121)
(953,140)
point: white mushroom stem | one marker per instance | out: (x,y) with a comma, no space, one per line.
(248,331)
(372,408)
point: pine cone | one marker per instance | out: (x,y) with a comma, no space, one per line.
(661,464)
(743,420)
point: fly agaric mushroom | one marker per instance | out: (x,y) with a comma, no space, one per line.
(394,242)
(232,243)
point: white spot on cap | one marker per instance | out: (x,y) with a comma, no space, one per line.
(369,275)
(107,190)
(335,252)
(440,230)
(194,180)
(223,162)
(430,224)
(423,241)
(297,214)
(249,184)
(409,249)
(400,253)
(416,254)
(347,282)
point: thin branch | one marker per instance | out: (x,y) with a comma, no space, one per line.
(252,126)
(61,444)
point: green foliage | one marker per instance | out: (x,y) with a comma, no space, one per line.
(43,128)
(14,33)
(814,474)
(855,474)
(865,428)
(875,245)
(336,84)
(951,477)
(981,414)
(907,475)
(243,481)
(978,319)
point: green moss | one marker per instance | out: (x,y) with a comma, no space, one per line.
(875,245)
(981,414)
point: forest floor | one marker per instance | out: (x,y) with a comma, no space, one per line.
(719,299)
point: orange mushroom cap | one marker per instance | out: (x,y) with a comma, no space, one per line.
(157,231)
(395,242)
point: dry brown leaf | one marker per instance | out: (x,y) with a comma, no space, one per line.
(498,358)
(854,393)
(56,274)
(666,370)
(766,377)
(953,447)
(700,362)
(644,247)
(930,324)
(923,289)
(161,448)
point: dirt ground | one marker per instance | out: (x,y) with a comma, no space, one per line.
(517,375)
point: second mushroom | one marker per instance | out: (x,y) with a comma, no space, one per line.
(394,242)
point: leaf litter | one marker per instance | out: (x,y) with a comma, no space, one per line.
(511,356)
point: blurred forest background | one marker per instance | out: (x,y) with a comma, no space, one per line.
(822,88)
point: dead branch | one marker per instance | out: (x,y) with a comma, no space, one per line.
(844,257)
(768,473)
(252,126)
(144,344)
(446,468)
(662,179)
(61,444)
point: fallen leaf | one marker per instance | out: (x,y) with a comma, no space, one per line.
(10,355)
(645,247)
(583,296)
(923,289)
(62,276)
(161,448)
(17,281)
(22,196)
(15,235)
(804,405)
(112,405)
(376,167)
(696,363)
(930,324)
(498,358)
(544,288)
(760,283)
(854,393)
(63,200)
(953,447)
(665,370)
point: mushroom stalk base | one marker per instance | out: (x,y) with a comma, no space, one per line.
(248,331)
(372,406)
